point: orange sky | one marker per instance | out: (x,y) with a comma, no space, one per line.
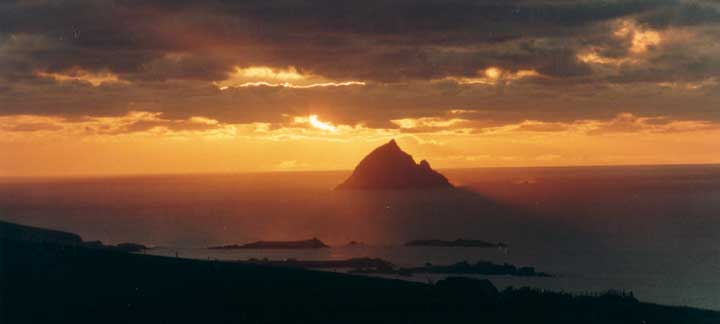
(110,88)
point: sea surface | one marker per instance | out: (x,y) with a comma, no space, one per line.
(652,230)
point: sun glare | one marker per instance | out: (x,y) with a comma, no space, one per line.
(492,73)
(315,122)
(257,76)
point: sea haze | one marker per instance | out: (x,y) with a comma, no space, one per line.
(654,230)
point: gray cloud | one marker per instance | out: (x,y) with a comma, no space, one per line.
(169,52)
(382,40)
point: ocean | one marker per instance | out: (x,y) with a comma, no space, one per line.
(652,230)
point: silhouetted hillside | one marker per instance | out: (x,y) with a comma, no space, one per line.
(50,283)
(388,167)
(17,232)
(10,231)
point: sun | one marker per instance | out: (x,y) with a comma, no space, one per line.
(493,73)
(315,122)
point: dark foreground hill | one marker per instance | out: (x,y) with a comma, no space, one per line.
(17,232)
(54,283)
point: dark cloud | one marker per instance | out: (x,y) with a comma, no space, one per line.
(172,125)
(168,53)
(382,40)
(691,13)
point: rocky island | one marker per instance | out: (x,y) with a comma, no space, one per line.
(313,243)
(389,167)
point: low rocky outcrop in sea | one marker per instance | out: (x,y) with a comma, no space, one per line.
(389,167)
(456,243)
(313,243)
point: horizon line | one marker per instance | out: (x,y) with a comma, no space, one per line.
(201,173)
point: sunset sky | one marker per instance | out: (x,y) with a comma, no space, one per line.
(126,87)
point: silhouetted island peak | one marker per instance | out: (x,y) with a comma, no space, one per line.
(389,167)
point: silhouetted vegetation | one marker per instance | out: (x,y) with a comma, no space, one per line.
(464,267)
(131,247)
